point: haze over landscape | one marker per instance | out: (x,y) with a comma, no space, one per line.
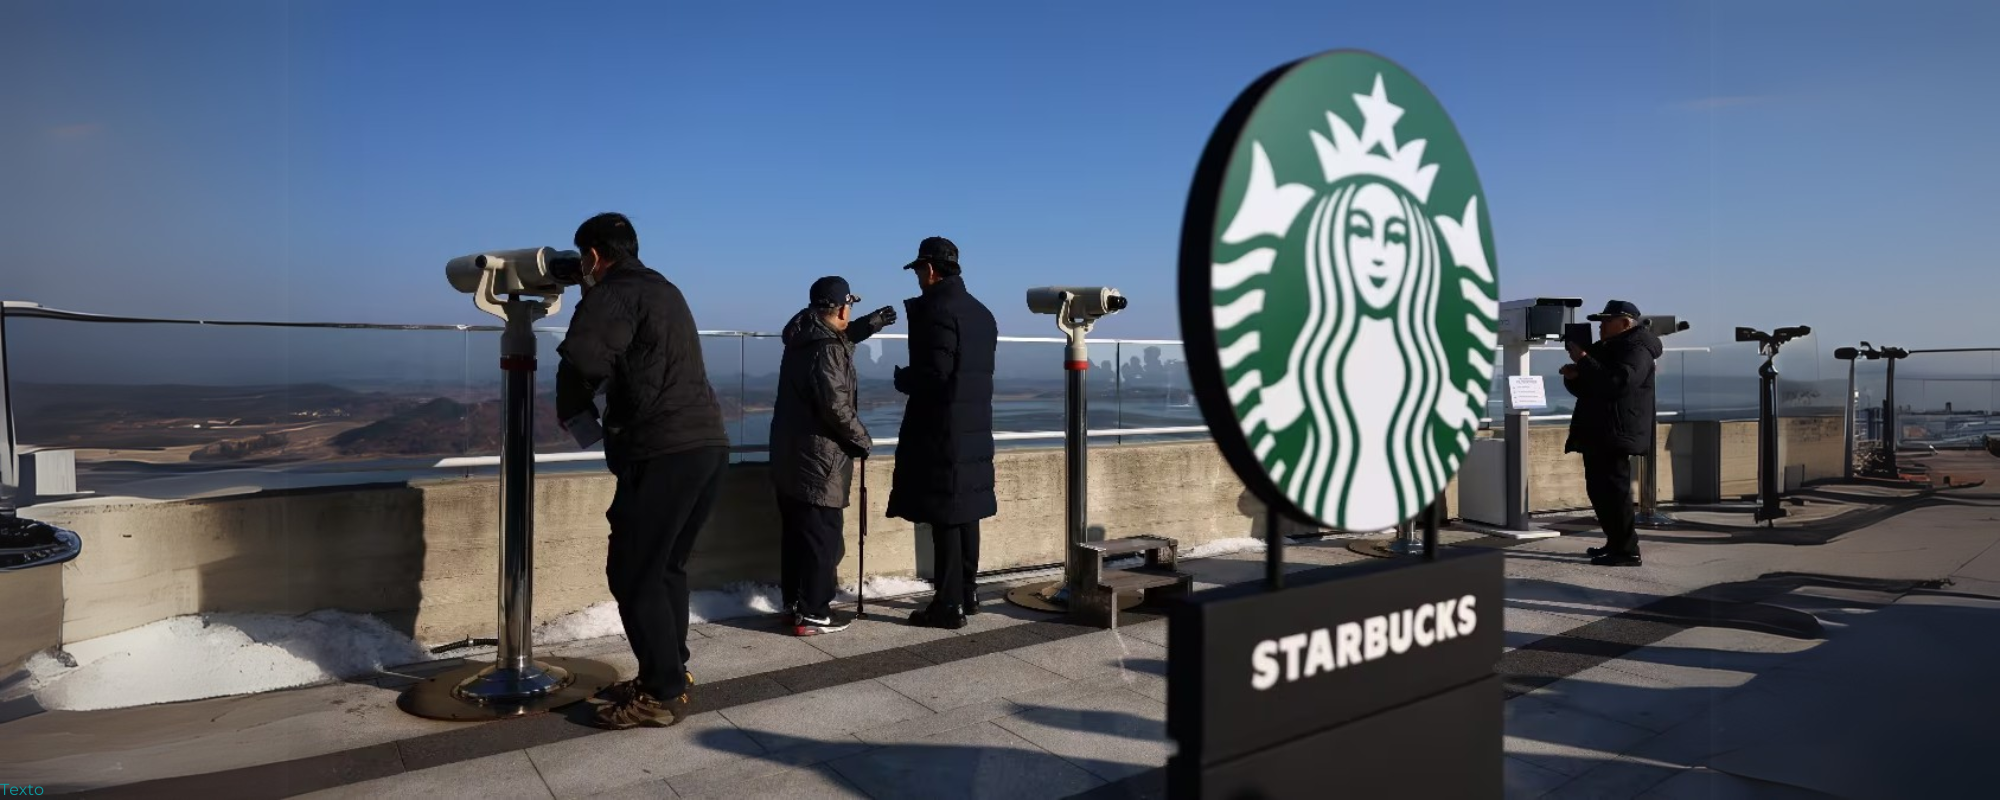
(1766,164)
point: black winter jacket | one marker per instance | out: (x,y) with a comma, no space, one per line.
(944,453)
(816,430)
(1613,387)
(634,330)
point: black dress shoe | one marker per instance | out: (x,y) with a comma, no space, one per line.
(1594,552)
(948,618)
(971,607)
(1609,560)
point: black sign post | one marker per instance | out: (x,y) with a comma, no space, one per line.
(1338,295)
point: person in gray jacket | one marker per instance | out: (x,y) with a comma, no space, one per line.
(816,433)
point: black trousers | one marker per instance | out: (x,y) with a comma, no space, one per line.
(955,563)
(1607,476)
(812,546)
(660,506)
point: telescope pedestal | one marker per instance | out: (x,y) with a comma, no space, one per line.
(515,684)
(1087,590)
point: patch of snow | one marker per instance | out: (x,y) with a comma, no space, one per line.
(216,655)
(710,605)
(1223,547)
(884,586)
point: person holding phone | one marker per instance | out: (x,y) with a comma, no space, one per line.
(1612,380)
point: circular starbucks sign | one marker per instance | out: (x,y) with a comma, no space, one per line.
(1338,291)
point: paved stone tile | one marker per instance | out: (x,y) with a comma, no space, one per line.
(1526,781)
(723,779)
(1012,637)
(507,775)
(1155,632)
(616,759)
(983,761)
(1564,739)
(1608,692)
(866,666)
(650,790)
(1115,734)
(1703,784)
(973,680)
(1145,681)
(1694,742)
(996,614)
(1094,653)
(874,634)
(916,730)
(795,783)
(1618,778)
(1526,625)
(719,658)
(791,721)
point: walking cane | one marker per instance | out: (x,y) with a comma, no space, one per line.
(861,580)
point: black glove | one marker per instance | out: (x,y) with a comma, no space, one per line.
(882,317)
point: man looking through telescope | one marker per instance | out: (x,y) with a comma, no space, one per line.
(1612,380)
(816,433)
(664,440)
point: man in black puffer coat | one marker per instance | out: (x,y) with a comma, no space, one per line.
(664,441)
(1612,381)
(816,433)
(944,454)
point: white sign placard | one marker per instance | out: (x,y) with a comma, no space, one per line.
(1524,393)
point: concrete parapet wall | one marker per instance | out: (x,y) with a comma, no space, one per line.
(425,558)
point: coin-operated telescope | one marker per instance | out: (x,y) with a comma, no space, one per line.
(1493,484)
(1768,483)
(518,286)
(1076,309)
(1649,513)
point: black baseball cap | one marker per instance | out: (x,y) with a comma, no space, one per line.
(832,292)
(935,250)
(1617,308)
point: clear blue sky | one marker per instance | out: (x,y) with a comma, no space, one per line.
(1741,163)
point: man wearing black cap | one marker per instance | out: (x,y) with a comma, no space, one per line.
(944,453)
(1612,380)
(816,433)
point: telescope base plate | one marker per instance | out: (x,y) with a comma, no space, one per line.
(1053,597)
(439,697)
(1386,548)
(1509,533)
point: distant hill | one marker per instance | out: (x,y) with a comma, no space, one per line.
(444,426)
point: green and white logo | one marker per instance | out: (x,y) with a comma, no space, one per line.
(1351,288)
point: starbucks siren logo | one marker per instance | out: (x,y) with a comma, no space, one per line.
(1353,291)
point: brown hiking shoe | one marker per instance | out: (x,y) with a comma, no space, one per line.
(620,691)
(642,709)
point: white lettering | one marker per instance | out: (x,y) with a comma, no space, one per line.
(1264,665)
(1319,658)
(1444,628)
(1349,634)
(1292,645)
(1352,643)
(1399,632)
